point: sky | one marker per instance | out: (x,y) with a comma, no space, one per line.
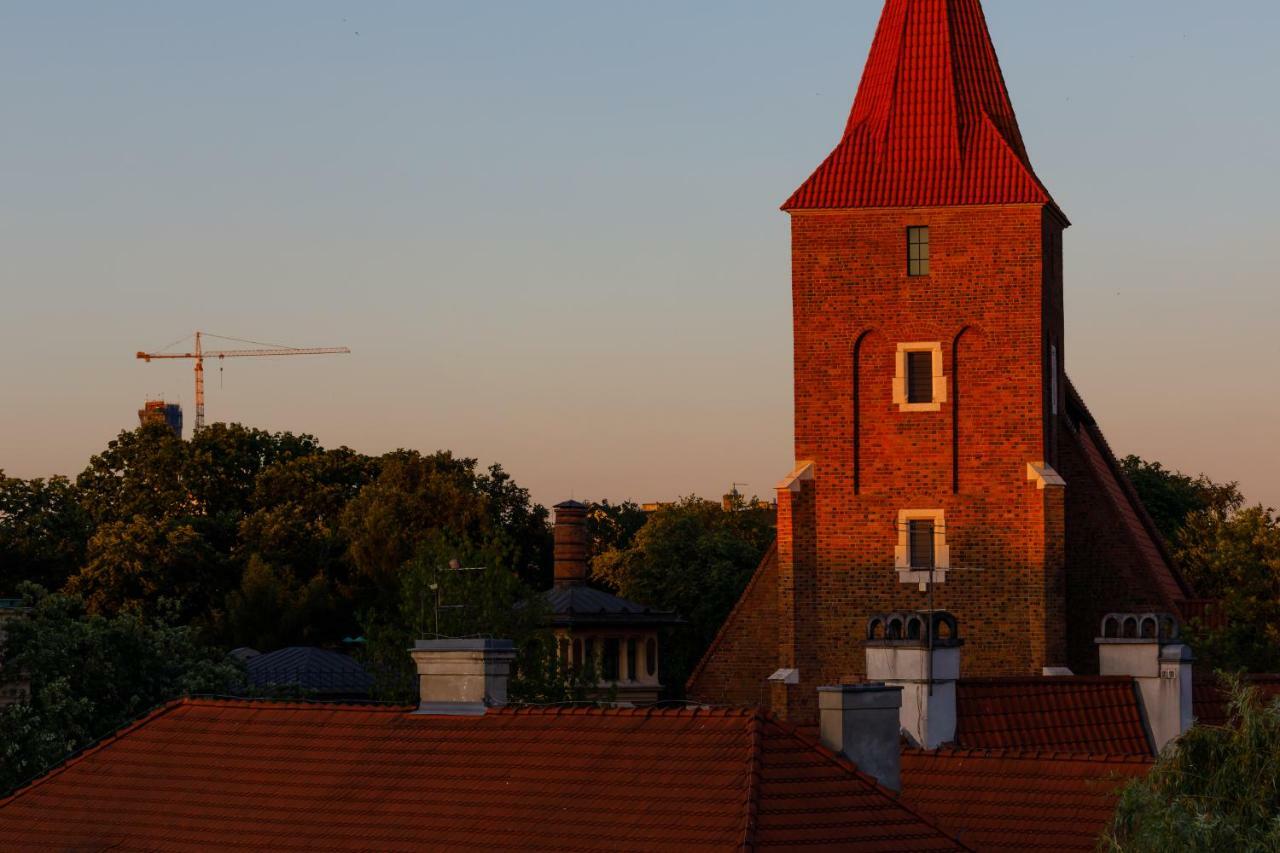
(549,232)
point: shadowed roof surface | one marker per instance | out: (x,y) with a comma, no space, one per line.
(201,773)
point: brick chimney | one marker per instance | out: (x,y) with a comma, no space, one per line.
(462,677)
(861,722)
(571,544)
(1146,647)
(919,652)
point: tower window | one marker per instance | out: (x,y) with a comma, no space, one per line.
(920,377)
(920,539)
(918,250)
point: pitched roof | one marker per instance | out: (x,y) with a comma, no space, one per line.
(1090,715)
(1152,555)
(932,123)
(314,776)
(582,604)
(1010,800)
(310,668)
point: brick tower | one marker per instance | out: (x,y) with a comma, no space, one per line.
(930,393)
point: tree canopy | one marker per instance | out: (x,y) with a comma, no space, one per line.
(1215,788)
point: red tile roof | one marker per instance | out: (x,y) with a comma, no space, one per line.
(204,774)
(1209,700)
(1090,715)
(1017,800)
(932,123)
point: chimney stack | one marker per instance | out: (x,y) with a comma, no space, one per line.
(571,544)
(919,652)
(1146,647)
(861,722)
(462,677)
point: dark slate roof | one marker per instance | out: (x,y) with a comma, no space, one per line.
(317,670)
(582,605)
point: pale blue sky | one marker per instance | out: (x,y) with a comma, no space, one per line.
(549,231)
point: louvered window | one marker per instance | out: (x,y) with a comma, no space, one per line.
(920,542)
(918,250)
(920,377)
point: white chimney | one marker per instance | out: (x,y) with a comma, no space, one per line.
(919,652)
(462,677)
(1146,647)
(860,721)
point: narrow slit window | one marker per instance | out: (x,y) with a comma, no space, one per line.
(920,377)
(918,250)
(920,539)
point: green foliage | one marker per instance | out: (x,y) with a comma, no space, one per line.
(612,527)
(452,588)
(1171,497)
(274,608)
(90,674)
(1235,560)
(43,531)
(695,558)
(1213,789)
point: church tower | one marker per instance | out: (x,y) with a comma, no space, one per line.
(930,389)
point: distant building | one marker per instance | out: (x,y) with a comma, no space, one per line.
(160,412)
(620,639)
(318,673)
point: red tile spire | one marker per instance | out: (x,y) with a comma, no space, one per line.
(932,123)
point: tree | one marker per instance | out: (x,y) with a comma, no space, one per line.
(89,674)
(1213,789)
(612,527)
(1234,559)
(134,564)
(1171,497)
(695,558)
(274,608)
(416,497)
(43,532)
(453,588)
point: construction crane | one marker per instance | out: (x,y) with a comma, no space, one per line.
(200,354)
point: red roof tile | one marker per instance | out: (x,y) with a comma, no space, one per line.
(1088,715)
(202,774)
(932,123)
(1015,800)
(1209,701)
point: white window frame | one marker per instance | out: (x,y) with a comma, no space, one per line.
(900,378)
(941,551)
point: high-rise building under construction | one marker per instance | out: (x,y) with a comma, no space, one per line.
(160,412)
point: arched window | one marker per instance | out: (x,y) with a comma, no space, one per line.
(631,659)
(611,658)
(577,655)
(651,656)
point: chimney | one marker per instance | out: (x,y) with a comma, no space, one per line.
(571,544)
(1146,647)
(860,721)
(462,677)
(919,652)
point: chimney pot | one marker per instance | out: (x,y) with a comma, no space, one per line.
(571,544)
(919,652)
(1147,648)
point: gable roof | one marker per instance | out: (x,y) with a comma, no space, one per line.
(1090,715)
(1011,800)
(932,123)
(310,668)
(368,777)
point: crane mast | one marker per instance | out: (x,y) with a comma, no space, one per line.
(199,354)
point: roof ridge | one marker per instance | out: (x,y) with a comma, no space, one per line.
(755,772)
(1004,753)
(78,755)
